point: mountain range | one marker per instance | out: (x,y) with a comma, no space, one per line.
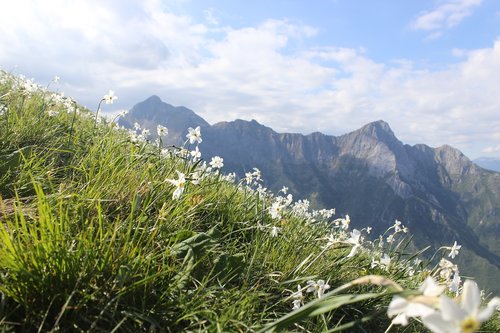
(440,194)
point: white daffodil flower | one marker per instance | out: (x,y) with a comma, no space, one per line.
(161,130)
(345,222)
(194,135)
(454,250)
(275,231)
(110,97)
(463,317)
(355,240)
(276,209)
(179,183)
(397,226)
(298,297)
(317,287)
(418,306)
(385,260)
(195,154)
(217,162)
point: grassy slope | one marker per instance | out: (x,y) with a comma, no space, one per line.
(91,239)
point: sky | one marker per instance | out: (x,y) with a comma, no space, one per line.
(430,68)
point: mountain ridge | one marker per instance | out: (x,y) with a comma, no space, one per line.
(367,173)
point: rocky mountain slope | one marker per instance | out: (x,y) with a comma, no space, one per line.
(369,174)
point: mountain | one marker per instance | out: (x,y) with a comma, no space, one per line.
(369,174)
(490,163)
(152,112)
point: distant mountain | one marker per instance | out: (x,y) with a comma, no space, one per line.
(490,163)
(438,193)
(153,112)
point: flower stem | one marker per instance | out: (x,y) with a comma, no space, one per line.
(97,112)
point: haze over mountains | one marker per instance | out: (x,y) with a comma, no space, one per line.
(369,174)
(490,163)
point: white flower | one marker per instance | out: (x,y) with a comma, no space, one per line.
(56,79)
(275,231)
(390,239)
(397,226)
(284,189)
(368,230)
(179,184)
(355,240)
(317,287)
(161,130)
(385,260)
(182,152)
(463,317)
(137,126)
(230,177)
(345,222)
(327,213)
(217,162)
(276,209)
(262,190)
(454,250)
(297,303)
(52,113)
(122,113)
(248,177)
(446,268)
(164,152)
(194,135)
(145,132)
(196,177)
(417,306)
(195,154)
(256,174)
(331,240)
(110,97)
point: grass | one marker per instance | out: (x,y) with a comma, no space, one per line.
(93,240)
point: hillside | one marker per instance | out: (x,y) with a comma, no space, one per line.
(103,231)
(439,193)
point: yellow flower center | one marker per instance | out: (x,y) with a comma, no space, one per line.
(469,325)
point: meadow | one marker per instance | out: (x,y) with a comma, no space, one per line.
(104,229)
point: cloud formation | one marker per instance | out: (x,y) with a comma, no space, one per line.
(448,14)
(260,72)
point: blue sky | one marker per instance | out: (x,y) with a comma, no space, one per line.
(431,68)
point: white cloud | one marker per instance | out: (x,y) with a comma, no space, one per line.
(211,17)
(259,72)
(448,14)
(491,149)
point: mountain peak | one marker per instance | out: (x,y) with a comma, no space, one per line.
(153,99)
(373,133)
(378,128)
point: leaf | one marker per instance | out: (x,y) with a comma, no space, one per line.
(318,307)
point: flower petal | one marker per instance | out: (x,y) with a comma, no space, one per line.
(471,297)
(397,306)
(486,313)
(450,310)
(436,323)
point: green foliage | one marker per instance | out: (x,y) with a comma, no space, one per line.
(92,239)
